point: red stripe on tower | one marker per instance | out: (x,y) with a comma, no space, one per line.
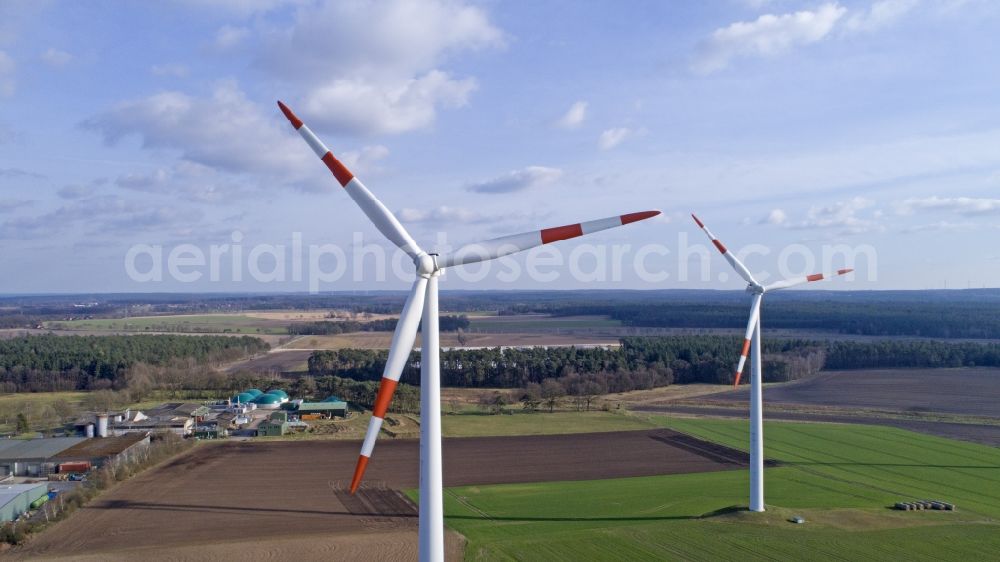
(815,277)
(561,233)
(343,175)
(635,217)
(384,397)
(296,122)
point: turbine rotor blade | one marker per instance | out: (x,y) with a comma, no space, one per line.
(506,245)
(730,257)
(399,352)
(786,283)
(380,216)
(751,324)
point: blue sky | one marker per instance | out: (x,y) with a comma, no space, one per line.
(792,128)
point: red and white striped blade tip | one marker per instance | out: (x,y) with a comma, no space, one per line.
(359,472)
(296,122)
(844,271)
(736,383)
(698,221)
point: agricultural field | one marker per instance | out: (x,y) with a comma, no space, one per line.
(964,391)
(248,499)
(840,478)
(183,323)
(33,404)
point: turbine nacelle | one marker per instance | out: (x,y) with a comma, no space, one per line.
(427,264)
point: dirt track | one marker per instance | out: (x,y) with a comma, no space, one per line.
(236,499)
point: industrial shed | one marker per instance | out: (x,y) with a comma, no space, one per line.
(331,409)
(32,457)
(98,451)
(15,499)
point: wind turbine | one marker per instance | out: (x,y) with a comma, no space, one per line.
(752,340)
(423,302)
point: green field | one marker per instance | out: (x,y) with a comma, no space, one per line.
(841,478)
(204,323)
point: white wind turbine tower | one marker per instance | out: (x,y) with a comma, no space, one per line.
(752,340)
(423,302)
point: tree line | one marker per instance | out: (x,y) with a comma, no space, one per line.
(977,320)
(50,363)
(648,362)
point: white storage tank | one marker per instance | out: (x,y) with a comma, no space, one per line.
(102,425)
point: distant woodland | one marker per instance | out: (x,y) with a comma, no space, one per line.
(648,362)
(50,363)
(965,314)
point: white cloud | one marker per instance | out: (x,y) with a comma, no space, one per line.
(225,131)
(613,137)
(881,14)
(442,214)
(967,206)
(228,36)
(242,8)
(776,217)
(361,107)
(7,205)
(55,57)
(18,173)
(575,116)
(768,35)
(186,180)
(75,191)
(170,69)
(7,67)
(364,160)
(518,180)
(375,67)
(103,214)
(942,226)
(842,215)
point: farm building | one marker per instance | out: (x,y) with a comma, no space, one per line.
(275,426)
(32,457)
(99,451)
(328,409)
(15,499)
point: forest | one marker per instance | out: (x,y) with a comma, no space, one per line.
(50,363)
(648,362)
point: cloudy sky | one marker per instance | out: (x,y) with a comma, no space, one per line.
(800,132)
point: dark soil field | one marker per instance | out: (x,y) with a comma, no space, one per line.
(971,392)
(287,499)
